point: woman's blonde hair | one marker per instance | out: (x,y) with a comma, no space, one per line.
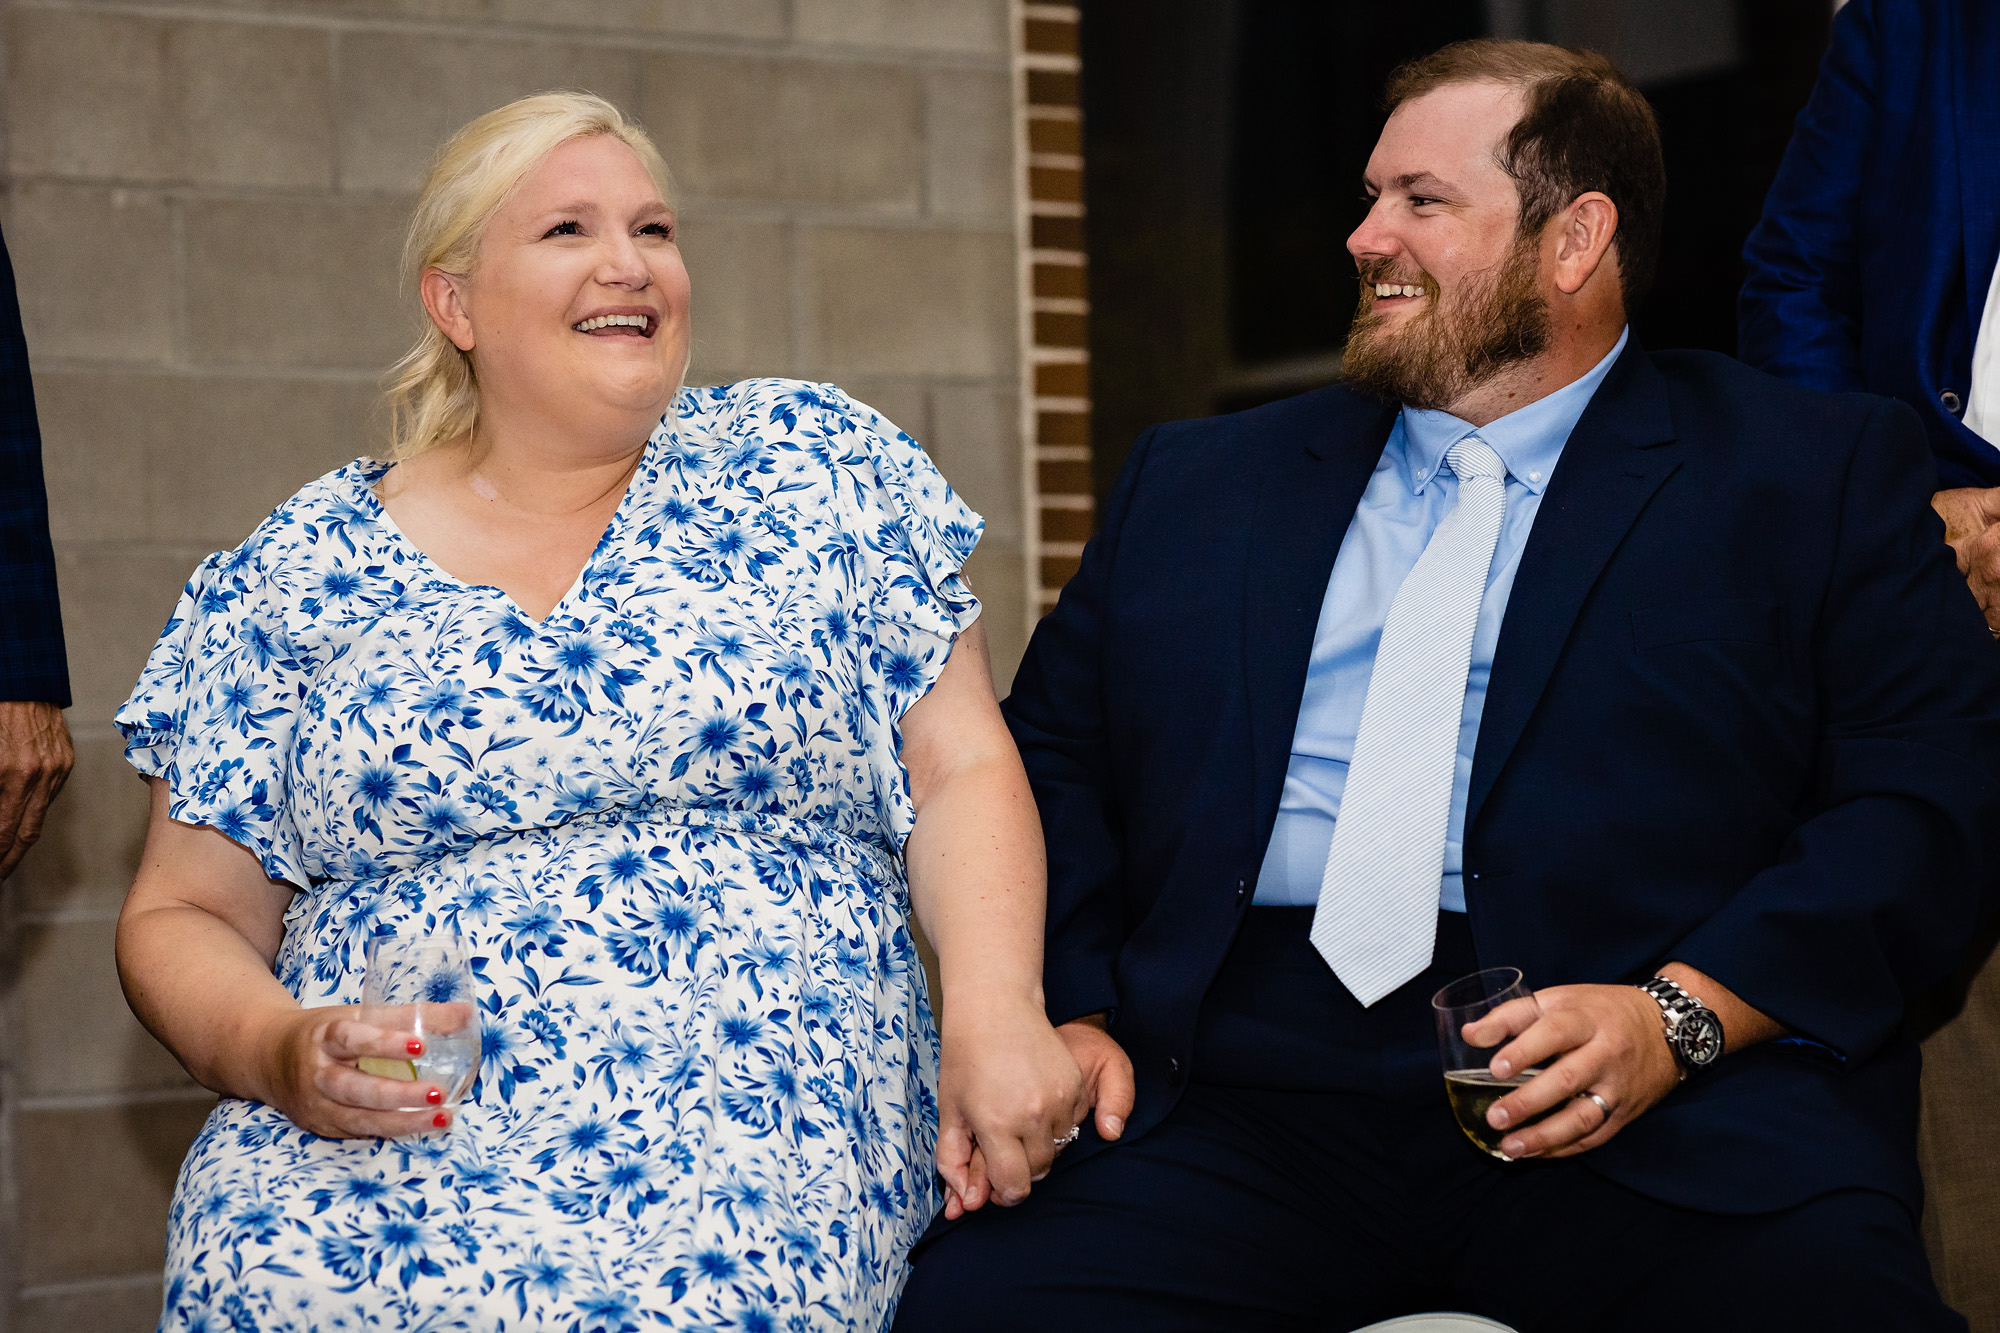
(433,391)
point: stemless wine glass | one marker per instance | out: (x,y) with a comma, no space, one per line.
(1468,1083)
(422,985)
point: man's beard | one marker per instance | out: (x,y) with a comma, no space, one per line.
(1453,346)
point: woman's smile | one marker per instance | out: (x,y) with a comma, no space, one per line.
(623,322)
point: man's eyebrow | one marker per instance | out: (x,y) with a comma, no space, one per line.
(1423,182)
(1414,182)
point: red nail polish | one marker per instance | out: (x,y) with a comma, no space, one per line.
(434,1096)
(415,1046)
(440,1120)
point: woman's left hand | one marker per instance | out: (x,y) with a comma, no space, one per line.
(1008,1092)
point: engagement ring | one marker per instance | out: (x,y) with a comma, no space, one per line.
(1074,1132)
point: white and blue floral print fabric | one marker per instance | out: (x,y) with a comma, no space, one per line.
(669,820)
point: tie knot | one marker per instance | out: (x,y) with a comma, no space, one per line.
(1473,457)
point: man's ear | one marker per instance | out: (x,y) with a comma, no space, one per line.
(445,304)
(1584,235)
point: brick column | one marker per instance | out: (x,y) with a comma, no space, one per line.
(1055,288)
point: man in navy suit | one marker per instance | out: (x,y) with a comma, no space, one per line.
(1874,267)
(35,752)
(1720,729)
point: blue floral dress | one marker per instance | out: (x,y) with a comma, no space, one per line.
(669,820)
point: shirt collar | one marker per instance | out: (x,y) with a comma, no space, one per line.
(1529,440)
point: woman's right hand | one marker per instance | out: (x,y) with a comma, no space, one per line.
(311,1076)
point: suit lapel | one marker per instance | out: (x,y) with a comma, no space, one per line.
(1619,453)
(1976,109)
(1306,499)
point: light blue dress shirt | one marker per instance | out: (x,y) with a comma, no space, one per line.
(1409,494)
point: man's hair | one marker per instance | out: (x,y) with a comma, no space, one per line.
(1584,128)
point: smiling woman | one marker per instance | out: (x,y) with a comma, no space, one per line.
(671,703)
(434,396)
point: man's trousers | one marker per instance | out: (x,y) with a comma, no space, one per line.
(1312,1177)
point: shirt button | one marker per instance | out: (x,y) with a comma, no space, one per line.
(1534,476)
(1950,401)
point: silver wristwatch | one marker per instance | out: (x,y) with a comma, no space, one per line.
(1694,1033)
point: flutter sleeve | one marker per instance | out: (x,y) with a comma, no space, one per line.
(215,712)
(914,535)
(917,531)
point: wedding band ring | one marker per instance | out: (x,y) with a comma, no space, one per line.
(1602,1105)
(1075,1132)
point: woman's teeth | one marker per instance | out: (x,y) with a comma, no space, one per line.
(611,321)
(1398,289)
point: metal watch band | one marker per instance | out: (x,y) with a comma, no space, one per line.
(1675,1006)
(1672,999)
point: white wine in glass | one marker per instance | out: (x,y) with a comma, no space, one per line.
(1472,1093)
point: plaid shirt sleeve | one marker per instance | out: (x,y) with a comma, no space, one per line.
(33,665)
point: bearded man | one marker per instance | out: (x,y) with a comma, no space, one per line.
(1646,674)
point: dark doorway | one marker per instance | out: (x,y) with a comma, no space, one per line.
(1307,109)
(1225,141)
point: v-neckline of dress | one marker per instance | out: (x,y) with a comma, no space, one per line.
(372,470)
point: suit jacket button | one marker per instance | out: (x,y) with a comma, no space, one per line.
(1951,402)
(1242,889)
(1174,1068)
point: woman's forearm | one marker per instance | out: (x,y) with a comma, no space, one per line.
(1009,1092)
(977,882)
(196,941)
(202,988)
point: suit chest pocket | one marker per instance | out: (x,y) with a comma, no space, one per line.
(1712,620)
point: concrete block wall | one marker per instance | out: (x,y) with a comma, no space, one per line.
(203,200)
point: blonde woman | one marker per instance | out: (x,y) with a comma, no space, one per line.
(654,695)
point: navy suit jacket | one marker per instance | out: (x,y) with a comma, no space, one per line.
(33,665)
(1870,267)
(1743,713)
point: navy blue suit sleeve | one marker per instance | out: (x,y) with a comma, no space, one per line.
(1876,895)
(33,665)
(1056,712)
(1798,315)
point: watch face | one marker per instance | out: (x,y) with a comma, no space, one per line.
(1698,1038)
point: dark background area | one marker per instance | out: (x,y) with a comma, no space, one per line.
(1225,139)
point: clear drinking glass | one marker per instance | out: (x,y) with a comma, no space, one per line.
(422,985)
(1468,1083)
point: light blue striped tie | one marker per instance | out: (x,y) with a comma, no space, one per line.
(1376,922)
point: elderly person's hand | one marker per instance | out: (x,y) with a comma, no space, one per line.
(1970,514)
(35,760)
(1596,1044)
